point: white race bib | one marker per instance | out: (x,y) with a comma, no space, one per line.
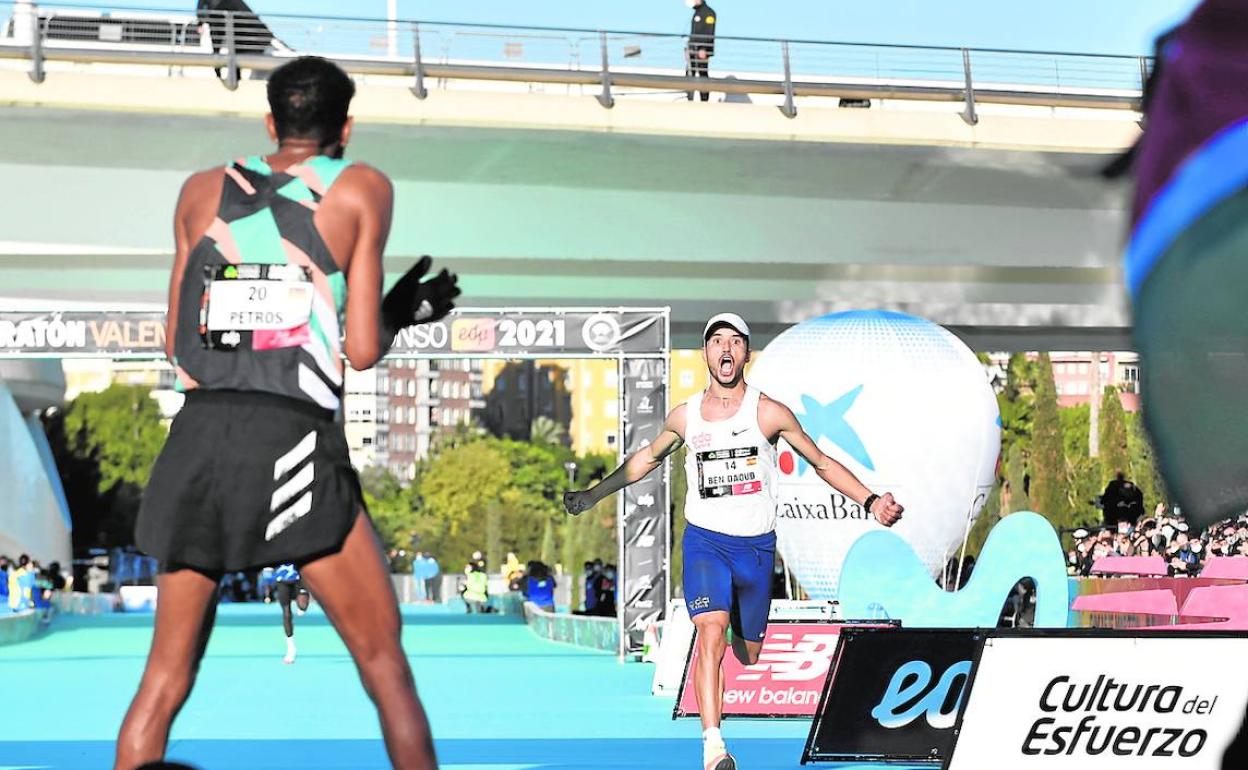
(256,306)
(729,472)
(257,297)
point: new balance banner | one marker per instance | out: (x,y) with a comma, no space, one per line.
(1091,700)
(644,531)
(786,681)
(893,695)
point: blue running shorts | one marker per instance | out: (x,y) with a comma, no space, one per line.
(730,574)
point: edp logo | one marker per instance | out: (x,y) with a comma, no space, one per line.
(911,693)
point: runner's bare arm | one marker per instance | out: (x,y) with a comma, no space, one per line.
(635,468)
(191,218)
(370,195)
(776,418)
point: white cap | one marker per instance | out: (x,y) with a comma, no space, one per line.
(731,319)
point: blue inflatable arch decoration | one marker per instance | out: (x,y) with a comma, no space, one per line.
(882,577)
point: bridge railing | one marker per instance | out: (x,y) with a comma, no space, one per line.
(608,63)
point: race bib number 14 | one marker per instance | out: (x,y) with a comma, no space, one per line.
(728,472)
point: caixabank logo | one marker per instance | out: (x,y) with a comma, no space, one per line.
(905,406)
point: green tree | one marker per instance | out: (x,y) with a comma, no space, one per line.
(392,512)
(546,431)
(479,492)
(1016,402)
(454,494)
(1143,463)
(1114,450)
(1048,462)
(1016,481)
(1083,473)
(106,444)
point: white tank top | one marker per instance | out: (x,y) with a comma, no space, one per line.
(731,471)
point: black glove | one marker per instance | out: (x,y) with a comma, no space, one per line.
(577,503)
(411,301)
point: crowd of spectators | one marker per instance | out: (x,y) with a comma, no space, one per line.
(600,589)
(27,585)
(1164,534)
(535,581)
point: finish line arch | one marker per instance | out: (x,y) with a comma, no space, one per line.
(637,339)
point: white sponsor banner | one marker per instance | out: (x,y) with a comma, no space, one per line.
(1137,703)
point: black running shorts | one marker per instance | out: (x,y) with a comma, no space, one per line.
(287,592)
(248,480)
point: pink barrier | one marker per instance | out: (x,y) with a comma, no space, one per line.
(1149,602)
(1156,602)
(1226,567)
(1130,565)
(1229,602)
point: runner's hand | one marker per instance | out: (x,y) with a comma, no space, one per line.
(886,509)
(577,503)
(413,301)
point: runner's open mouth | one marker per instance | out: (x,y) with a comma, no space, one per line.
(725,365)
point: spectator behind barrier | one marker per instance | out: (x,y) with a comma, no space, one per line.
(19,584)
(608,593)
(1122,501)
(5,566)
(476,589)
(539,586)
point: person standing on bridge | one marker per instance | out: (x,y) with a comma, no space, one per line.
(701,45)
(273,255)
(730,508)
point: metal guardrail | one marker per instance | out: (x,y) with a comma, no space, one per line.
(610,62)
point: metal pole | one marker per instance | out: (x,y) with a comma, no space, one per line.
(667,466)
(418,88)
(36,46)
(605,98)
(622,448)
(231,66)
(392,28)
(1143,73)
(969,114)
(789,109)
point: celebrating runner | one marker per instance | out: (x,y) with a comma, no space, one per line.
(731,430)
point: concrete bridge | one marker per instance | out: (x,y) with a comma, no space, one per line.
(977,206)
(538,195)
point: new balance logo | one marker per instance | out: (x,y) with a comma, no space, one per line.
(785,659)
(289,512)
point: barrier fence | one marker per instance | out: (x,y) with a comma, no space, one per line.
(612,63)
(18,626)
(582,630)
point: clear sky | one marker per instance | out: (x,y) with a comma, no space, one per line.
(1083,26)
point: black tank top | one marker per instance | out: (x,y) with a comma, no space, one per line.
(262,300)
